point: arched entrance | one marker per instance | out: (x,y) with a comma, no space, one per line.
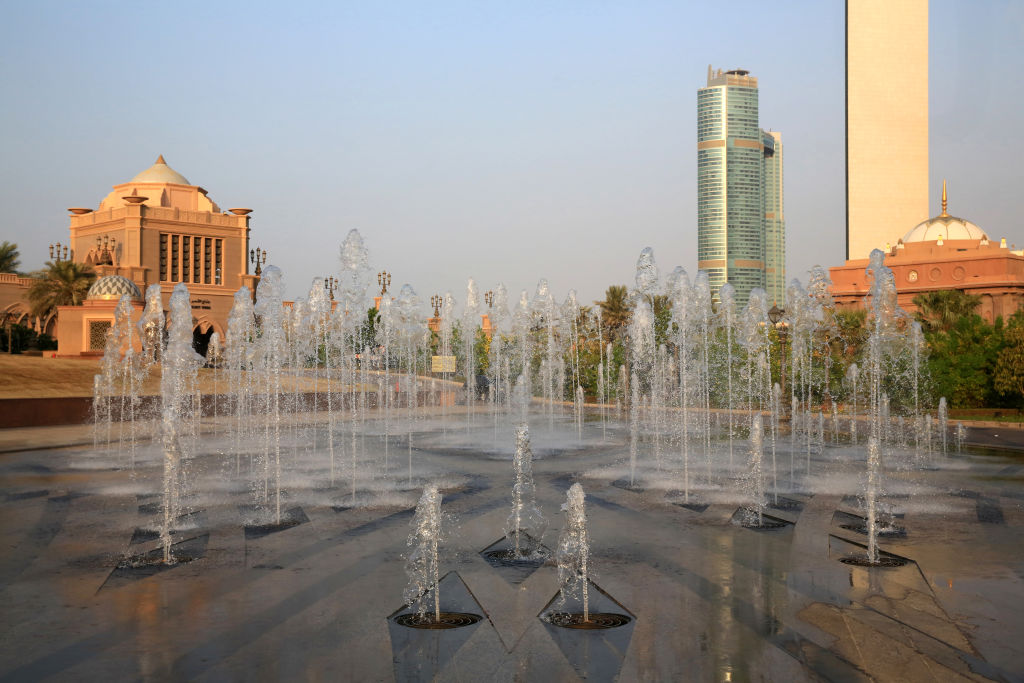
(201,340)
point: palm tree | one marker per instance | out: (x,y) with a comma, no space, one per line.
(939,310)
(615,309)
(61,283)
(661,304)
(10,259)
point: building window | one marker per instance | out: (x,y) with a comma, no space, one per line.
(163,257)
(175,241)
(98,334)
(197,245)
(207,263)
(186,260)
(219,244)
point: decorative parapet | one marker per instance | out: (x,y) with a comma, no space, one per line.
(161,213)
(15,279)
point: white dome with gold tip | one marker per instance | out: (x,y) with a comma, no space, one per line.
(944,227)
(160,172)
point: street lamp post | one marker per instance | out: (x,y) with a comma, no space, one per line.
(384,280)
(258,257)
(435,301)
(55,252)
(8,321)
(330,284)
(105,248)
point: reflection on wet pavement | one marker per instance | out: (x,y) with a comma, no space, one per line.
(311,597)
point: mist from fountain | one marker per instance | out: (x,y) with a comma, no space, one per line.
(758,500)
(574,551)
(713,367)
(119,382)
(271,356)
(872,489)
(238,361)
(943,424)
(727,322)
(422,564)
(852,375)
(543,308)
(498,364)
(180,364)
(684,324)
(526,525)
(385,332)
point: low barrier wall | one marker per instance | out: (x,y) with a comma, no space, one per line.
(66,410)
(44,412)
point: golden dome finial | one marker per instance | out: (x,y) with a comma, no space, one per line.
(944,198)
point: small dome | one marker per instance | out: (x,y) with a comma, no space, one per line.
(160,172)
(113,287)
(946,228)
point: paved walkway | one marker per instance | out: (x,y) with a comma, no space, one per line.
(310,600)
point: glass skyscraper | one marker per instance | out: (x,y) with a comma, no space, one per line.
(740,226)
(774,219)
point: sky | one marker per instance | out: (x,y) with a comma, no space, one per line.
(502,141)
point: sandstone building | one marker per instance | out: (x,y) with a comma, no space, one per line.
(158,228)
(944,252)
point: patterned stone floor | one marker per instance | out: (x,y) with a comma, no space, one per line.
(311,599)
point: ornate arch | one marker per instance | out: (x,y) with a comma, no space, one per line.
(19,310)
(205,323)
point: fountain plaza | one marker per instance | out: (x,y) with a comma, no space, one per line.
(693,520)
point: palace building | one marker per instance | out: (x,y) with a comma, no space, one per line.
(157,228)
(944,252)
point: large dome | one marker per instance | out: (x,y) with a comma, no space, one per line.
(944,227)
(113,287)
(160,172)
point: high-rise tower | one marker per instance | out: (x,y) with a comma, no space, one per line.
(886,121)
(735,159)
(774,219)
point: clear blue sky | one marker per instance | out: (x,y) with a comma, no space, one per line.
(503,141)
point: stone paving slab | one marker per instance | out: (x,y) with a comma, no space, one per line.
(310,602)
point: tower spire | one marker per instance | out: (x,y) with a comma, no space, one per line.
(160,160)
(944,198)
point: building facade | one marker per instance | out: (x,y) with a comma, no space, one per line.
(944,252)
(158,228)
(737,170)
(14,306)
(774,219)
(886,121)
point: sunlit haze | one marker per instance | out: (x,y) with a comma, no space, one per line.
(505,143)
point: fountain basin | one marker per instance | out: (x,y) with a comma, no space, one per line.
(427,621)
(884,560)
(596,621)
(747,518)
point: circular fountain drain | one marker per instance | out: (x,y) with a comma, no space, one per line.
(883,561)
(765,524)
(598,620)
(510,559)
(448,620)
(150,563)
(888,532)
